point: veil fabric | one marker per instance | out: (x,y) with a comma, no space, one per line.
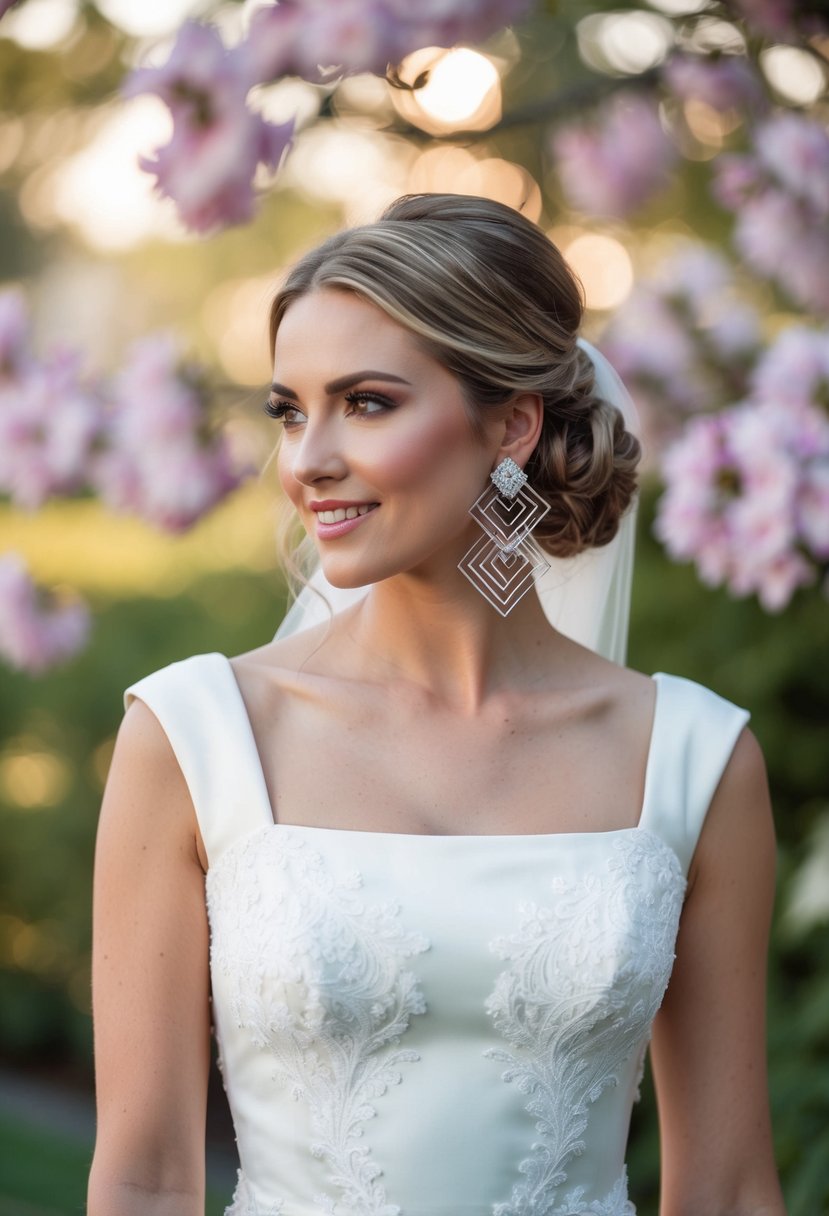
(586,597)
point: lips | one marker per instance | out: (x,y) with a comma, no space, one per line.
(338,520)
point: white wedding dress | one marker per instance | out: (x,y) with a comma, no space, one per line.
(435,1025)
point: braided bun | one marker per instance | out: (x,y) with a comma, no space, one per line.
(584,466)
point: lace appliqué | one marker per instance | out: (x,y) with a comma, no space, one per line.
(318,979)
(244,1202)
(586,976)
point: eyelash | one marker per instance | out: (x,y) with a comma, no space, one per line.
(278,409)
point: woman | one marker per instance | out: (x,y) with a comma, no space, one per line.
(450,853)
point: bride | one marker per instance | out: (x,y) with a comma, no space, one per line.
(433,864)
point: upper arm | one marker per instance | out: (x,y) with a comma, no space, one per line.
(150,982)
(709,1048)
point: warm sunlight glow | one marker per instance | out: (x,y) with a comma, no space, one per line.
(795,74)
(604,267)
(103,192)
(339,163)
(462,92)
(39,25)
(235,315)
(624,42)
(150,18)
(457,171)
(35,779)
(458,85)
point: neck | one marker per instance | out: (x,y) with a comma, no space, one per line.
(449,640)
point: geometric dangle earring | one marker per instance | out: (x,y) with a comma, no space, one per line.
(506,561)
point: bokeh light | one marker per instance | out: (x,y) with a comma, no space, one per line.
(795,74)
(102,191)
(624,42)
(235,316)
(462,91)
(32,779)
(150,18)
(604,267)
(39,25)
(458,171)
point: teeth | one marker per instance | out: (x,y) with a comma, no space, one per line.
(340,513)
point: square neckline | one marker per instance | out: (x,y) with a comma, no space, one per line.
(639,826)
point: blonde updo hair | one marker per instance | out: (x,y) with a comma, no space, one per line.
(491,298)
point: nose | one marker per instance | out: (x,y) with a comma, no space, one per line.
(318,457)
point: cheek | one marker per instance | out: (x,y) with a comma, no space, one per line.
(442,455)
(291,488)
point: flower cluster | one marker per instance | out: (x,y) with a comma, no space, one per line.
(684,338)
(218,141)
(36,629)
(747,495)
(141,443)
(159,461)
(307,37)
(50,419)
(780,194)
(616,163)
(727,83)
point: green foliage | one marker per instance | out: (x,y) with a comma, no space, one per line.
(45,1174)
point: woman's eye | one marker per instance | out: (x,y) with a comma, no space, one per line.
(363,403)
(284,412)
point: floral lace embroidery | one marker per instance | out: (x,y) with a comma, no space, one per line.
(586,976)
(319,981)
(244,1202)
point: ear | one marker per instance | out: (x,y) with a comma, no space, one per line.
(522,423)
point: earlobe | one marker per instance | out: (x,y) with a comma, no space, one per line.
(522,427)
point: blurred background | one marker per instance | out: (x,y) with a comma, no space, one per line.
(650,141)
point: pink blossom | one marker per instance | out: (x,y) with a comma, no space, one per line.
(207,168)
(36,630)
(685,336)
(737,177)
(794,369)
(778,237)
(744,503)
(794,149)
(49,423)
(300,37)
(780,578)
(614,165)
(780,193)
(160,461)
(725,83)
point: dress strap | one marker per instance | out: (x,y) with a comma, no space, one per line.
(694,733)
(200,708)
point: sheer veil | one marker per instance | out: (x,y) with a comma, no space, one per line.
(586,597)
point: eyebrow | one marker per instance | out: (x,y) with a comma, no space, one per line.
(344,382)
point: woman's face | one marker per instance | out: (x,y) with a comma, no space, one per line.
(378,454)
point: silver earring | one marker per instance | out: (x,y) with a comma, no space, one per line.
(506,561)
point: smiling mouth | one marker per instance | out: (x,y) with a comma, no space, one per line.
(342,513)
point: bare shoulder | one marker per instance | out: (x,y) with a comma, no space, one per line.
(739,826)
(628,695)
(146,796)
